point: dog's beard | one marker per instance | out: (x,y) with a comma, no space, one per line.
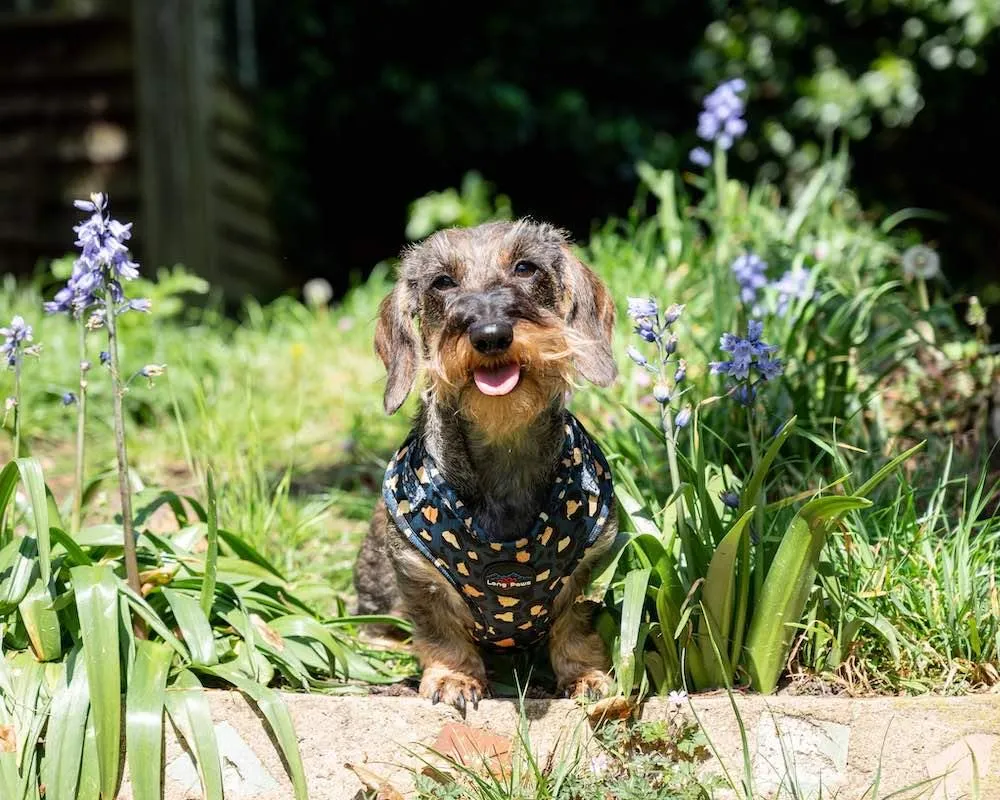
(544,350)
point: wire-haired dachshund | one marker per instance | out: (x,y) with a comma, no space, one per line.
(496,506)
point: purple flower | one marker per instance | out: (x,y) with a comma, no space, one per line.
(721,119)
(661,393)
(749,355)
(793,285)
(68,399)
(730,499)
(683,417)
(700,156)
(105,357)
(104,261)
(640,308)
(673,314)
(646,331)
(16,335)
(140,304)
(750,272)
(636,356)
(681,372)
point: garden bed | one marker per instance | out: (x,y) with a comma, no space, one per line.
(847,744)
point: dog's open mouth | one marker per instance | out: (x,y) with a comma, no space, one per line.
(497,381)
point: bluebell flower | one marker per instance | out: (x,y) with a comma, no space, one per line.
(661,393)
(683,417)
(670,346)
(750,272)
(16,335)
(636,356)
(68,399)
(700,156)
(673,314)
(721,119)
(681,373)
(730,499)
(105,357)
(153,370)
(104,262)
(642,307)
(750,355)
(793,285)
(646,330)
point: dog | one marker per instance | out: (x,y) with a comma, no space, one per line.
(496,507)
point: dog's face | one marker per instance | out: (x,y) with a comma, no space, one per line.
(502,317)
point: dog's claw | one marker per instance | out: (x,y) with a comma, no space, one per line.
(460,703)
(475,699)
(436,698)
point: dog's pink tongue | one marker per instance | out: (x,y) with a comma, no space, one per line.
(499,381)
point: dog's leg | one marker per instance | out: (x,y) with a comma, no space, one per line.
(453,670)
(577,653)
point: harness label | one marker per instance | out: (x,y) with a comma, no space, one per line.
(508,576)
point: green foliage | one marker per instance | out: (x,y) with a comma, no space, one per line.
(853,67)
(253,630)
(702,595)
(626,759)
(470,206)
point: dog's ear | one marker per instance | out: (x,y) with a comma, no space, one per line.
(396,345)
(592,315)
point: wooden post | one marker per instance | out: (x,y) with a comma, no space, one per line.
(175,67)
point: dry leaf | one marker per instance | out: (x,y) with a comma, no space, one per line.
(375,783)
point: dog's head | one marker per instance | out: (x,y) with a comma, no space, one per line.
(502,316)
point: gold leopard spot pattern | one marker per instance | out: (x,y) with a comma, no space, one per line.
(510,586)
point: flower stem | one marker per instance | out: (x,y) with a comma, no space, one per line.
(758,515)
(124,485)
(17,405)
(81,419)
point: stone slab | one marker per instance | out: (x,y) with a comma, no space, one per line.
(840,747)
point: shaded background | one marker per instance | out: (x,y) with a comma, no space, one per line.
(263,144)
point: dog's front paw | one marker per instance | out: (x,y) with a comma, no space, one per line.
(444,685)
(591,685)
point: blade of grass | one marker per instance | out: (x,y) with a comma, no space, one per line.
(212,554)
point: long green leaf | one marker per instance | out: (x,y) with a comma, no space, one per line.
(41,621)
(717,597)
(786,588)
(212,554)
(276,713)
(32,549)
(89,787)
(96,590)
(144,718)
(632,607)
(188,708)
(194,626)
(67,731)
(753,486)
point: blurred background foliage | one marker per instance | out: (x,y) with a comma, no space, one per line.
(366,106)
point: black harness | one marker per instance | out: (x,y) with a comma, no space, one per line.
(510,586)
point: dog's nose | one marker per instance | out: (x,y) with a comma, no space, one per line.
(491,338)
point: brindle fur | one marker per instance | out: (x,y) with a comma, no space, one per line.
(500,453)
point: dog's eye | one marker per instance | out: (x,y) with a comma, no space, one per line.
(525,269)
(443,282)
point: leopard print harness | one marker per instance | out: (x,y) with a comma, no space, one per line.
(509,586)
